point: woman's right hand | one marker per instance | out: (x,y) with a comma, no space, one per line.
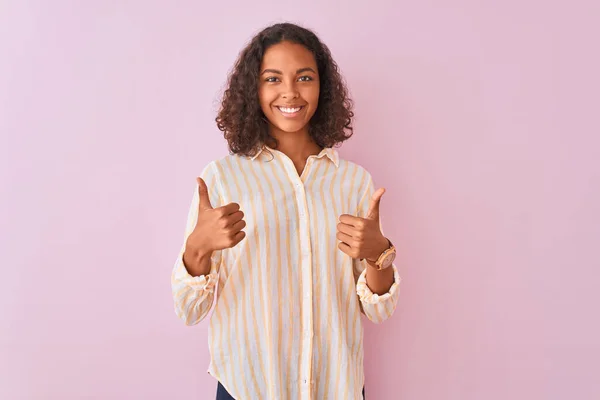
(217,228)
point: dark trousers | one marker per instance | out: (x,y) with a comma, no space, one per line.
(222,394)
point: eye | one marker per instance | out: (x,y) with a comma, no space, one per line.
(305,78)
(271,79)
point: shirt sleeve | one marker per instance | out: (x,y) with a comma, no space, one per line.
(193,295)
(376,307)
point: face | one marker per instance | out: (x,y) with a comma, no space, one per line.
(289,87)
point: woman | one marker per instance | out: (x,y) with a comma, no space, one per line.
(285,232)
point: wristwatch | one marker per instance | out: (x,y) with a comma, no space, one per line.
(386,258)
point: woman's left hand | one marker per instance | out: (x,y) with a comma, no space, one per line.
(362,237)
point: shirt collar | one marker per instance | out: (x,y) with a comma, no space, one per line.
(331,153)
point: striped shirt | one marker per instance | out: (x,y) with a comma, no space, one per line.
(286,322)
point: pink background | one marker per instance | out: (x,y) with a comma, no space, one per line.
(480,118)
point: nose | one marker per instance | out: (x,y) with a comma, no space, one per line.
(290,91)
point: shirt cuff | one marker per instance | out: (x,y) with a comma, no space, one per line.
(202,283)
(367,296)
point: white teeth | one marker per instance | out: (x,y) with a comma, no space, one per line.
(289,110)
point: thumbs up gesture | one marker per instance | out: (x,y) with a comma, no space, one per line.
(362,237)
(217,228)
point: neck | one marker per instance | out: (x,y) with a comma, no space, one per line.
(298,146)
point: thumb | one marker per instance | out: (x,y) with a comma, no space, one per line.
(373,212)
(204,200)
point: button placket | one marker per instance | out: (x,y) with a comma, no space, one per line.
(306,268)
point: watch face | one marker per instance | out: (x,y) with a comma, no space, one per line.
(388,260)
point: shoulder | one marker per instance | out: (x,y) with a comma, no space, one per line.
(223,165)
(357,173)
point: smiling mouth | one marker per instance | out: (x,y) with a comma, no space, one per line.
(290,111)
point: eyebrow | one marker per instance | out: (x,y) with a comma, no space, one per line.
(276,71)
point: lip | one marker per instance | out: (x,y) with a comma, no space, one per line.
(288,115)
(290,105)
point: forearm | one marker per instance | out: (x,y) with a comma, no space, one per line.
(197,262)
(193,286)
(192,303)
(379,282)
(378,307)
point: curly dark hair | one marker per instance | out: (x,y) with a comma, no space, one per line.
(241,118)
